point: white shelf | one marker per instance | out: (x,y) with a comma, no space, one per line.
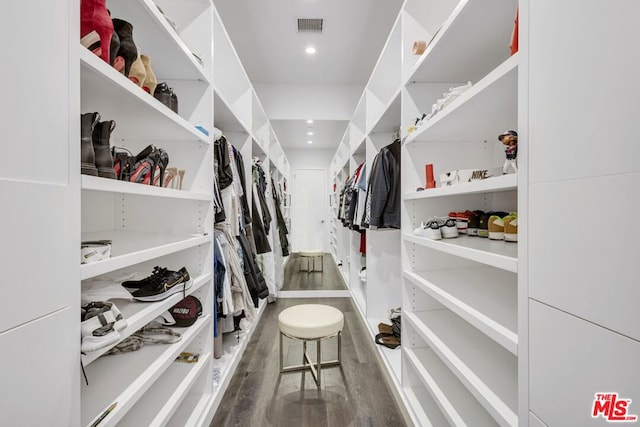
(425,411)
(158,405)
(94,183)
(125,378)
(138,314)
(494,253)
(116,97)
(488,371)
(224,118)
(191,412)
(485,297)
(392,357)
(489,185)
(171,59)
(454,400)
(389,120)
(130,248)
(470,43)
(485,109)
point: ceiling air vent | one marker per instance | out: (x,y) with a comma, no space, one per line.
(310,25)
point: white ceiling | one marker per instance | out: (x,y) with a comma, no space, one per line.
(293,133)
(264,34)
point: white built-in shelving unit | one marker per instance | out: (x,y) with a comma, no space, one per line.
(458,363)
(153,225)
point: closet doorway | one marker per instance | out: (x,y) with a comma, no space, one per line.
(309,219)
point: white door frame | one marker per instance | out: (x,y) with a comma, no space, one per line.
(325,197)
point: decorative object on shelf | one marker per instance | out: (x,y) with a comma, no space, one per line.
(94,251)
(431,181)
(128,50)
(462,176)
(419,46)
(95,20)
(150,81)
(513,46)
(101,322)
(167,96)
(510,140)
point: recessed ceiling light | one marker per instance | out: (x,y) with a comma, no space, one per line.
(310,50)
(309,133)
(309,142)
(309,122)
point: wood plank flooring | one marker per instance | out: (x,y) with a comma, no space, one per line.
(354,395)
(329,279)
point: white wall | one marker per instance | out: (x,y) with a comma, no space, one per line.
(299,102)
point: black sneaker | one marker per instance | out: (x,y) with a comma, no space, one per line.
(163,286)
(474,223)
(134,285)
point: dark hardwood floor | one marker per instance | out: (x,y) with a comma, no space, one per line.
(329,279)
(355,394)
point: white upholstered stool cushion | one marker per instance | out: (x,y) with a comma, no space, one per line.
(310,321)
(312,252)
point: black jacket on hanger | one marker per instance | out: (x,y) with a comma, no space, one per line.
(384,188)
(243,200)
(282,226)
(255,280)
(259,234)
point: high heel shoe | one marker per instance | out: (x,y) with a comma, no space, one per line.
(150,81)
(137,73)
(161,167)
(94,17)
(169,175)
(128,49)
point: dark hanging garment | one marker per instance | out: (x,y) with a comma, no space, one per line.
(282,226)
(222,163)
(243,200)
(255,280)
(384,188)
(260,180)
(259,234)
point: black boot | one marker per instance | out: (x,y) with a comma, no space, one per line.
(104,158)
(128,50)
(87,154)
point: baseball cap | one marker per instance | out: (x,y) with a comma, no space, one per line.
(186,312)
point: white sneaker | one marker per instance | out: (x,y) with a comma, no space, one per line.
(448,228)
(429,229)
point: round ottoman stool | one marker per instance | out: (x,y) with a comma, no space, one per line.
(310,256)
(311,322)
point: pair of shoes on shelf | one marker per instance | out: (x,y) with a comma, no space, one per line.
(133,65)
(101,323)
(142,74)
(147,167)
(462,220)
(503,227)
(437,228)
(161,284)
(173,178)
(95,154)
